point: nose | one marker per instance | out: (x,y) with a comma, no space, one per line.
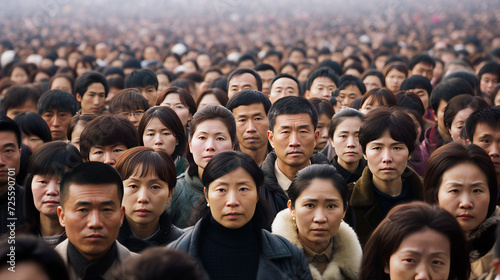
(210,144)
(494,149)
(157,140)
(232,199)
(319,216)
(142,195)
(465,201)
(94,220)
(53,188)
(132,117)
(55,121)
(386,156)
(326,94)
(345,101)
(251,126)
(109,158)
(96,100)
(294,140)
(351,142)
(422,272)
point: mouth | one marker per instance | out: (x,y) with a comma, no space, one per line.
(51,202)
(387,169)
(465,216)
(232,216)
(208,157)
(251,139)
(94,237)
(319,230)
(295,153)
(142,212)
(350,153)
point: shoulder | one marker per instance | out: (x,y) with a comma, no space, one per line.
(123,252)
(284,226)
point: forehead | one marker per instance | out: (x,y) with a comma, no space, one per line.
(295,119)
(423,65)
(489,76)
(172,98)
(249,109)
(245,78)
(484,128)
(266,73)
(285,82)
(384,138)
(350,89)
(92,193)
(322,81)
(7,137)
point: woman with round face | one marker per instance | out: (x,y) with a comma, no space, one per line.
(430,245)
(376,98)
(213,96)
(212,131)
(46,169)
(395,74)
(34,130)
(161,129)
(19,74)
(230,229)
(313,222)
(461,179)
(180,101)
(149,179)
(458,110)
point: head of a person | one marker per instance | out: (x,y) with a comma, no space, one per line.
(76,126)
(106,137)
(19,99)
(377,98)
(145,80)
(91,90)
(350,88)
(292,130)
(461,179)
(394,74)
(34,259)
(161,129)
(149,178)
(489,76)
(414,107)
(297,55)
(266,73)
(373,79)
(325,114)
(423,65)
(57,107)
(317,201)
(213,96)
(180,101)
(91,208)
(458,110)
(344,135)
(19,73)
(10,148)
(85,64)
(129,103)
(212,131)
(273,57)
(45,170)
(232,184)
(431,239)
(243,78)
(62,82)
(250,108)
(34,130)
(387,137)
(467,76)
(321,83)
(419,85)
(165,77)
(283,85)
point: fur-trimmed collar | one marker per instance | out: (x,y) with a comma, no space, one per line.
(347,251)
(477,236)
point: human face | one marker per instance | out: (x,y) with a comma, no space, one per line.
(318,213)
(134,116)
(322,87)
(283,87)
(296,57)
(108,154)
(488,83)
(158,136)
(387,159)
(46,194)
(423,95)
(171,63)
(323,126)
(458,123)
(62,84)
(163,82)
(144,198)
(19,76)
(28,106)
(32,141)
(10,155)
(266,76)
(348,95)
(367,107)
(346,142)
(251,126)
(394,79)
(75,135)
(241,82)
(82,68)
(92,101)
(293,139)
(208,99)
(174,102)
(232,198)
(210,138)
(150,94)
(421,255)
(92,216)
(372,82)
(464,193)
(58,122)
(488,138)
(423,69)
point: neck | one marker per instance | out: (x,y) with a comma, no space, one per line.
(143,231)
(444,134)
(349,166)
(392,188)
(316,247)
(258,155)
(200,172)
(49,226)
(291,171)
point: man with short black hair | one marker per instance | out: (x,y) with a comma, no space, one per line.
(321,84)
(91,90)
(489,76)
(57,107)
(283,85)
(266,73)
(146,81)
(243,78)
(423,65)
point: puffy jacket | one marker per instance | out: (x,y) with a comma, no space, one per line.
(185,199)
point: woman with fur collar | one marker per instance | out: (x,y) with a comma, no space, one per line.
(313,222)
(461,179)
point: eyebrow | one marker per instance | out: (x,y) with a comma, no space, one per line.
(391,144)
(87,203)
(246,115)
(10,145)
(316,200)
(286,126)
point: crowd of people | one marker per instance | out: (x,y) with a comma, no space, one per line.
(239,141)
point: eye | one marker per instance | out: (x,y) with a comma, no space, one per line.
(331,206)
(409,260)
(167,133)
(82,210)
(244,189)
(202,137)
(309,205)
(117,150)
(220,190)
(454,191)
(133,186)
(438,262)
(98,153)
(150,134)
(155,187)
(477,191)
(220,138)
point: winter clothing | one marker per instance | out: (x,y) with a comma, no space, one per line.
(187,195)
(482,241)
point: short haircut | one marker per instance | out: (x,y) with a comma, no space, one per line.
(397,122)
(147,160)
(273,52)
(459,103)
(90,173)
(220,95)
(128,100)
(132,63)
(113,70)
(141,79)
(411,101)
(489,116)
(292,105)
(248,97)
(334,66)
(82,119)
(417,81)
(450,155)
(241,71)
(322,72)
(18,95)
(264,67)
(494,94)
(375,73)
(184,97)
(383,96)
(68,78)
(284,75)
(246,57)
(170,75)
(107,130)
(399,66)
(88,78)
(341,116)
(31,123)
(421,58)
(489,68)
(304,178)
(57,100)
(7,124)
(349,80)
(448,89)
(322,107)
(467,76)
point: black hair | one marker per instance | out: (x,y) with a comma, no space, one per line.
(241,71)
(459,103)
(114,70)
(171,76)
(417,81)
(31,123)
(246,57)
(57,100)
(411,101)
(334,66)
(248,97)
(18,95)
(448,89)
(292,105)
(339,117)
(128,100)
(141,79)
(264,67)
(421,58)
(132,63)
(7,124)
(489,116)
(489,68)
(322,72)
(220,83)
(375,73)
(88,78)
(284,75)
(349,80)
(274,52)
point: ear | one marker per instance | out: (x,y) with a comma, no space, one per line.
(60,215)
(364,155)
(122,210)
(331,142)
(169,198)
(316,136)
(306,94)
(345,210)
(434,115)
(290,207)
(386,269)
(205,194)
(78,97)
(270,137)
(189,144)
(468,141)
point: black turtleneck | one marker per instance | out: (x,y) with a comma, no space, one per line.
(91,270)
(230,253)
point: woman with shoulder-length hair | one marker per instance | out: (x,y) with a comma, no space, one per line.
(313,223)
(416,241)
(461,179)
(229,241)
